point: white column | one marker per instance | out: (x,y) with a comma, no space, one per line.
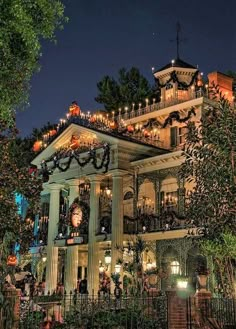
(93,252)
(117,220)
(72,260)
(52,252)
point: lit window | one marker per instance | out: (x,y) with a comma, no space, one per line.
(175,268)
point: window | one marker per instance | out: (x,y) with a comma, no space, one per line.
(177,136)
(173,136)
(181,136)
(174,267)
(169,94)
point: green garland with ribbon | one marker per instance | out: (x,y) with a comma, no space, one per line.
(72,154)
(174,78)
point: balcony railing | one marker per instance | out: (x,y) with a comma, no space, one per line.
(144,223)
(163,104)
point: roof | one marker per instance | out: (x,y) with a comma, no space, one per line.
(113,134)
(177,63)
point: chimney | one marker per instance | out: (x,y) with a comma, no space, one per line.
(224,82)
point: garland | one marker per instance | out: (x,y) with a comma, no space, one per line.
(174,78)
(92,157)
(176,116)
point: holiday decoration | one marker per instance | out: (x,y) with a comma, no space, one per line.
(174,78)
(93,119)
(74,154)
(74,109)
(176,116)
(52,132)
(37,146)
(74,142)
(12,260)
(130,128)
(146,133)
(113,125)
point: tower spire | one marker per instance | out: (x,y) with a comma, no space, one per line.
(178,29)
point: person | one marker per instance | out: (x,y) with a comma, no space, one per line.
(83,287)
(76,216)
(118,290)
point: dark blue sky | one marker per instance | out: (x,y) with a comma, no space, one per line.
(103,36)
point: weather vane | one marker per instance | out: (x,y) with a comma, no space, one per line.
(178,40)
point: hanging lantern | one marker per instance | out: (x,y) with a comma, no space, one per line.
(12,260)
(37,146)
(108,257)
(130,128)
(74,109)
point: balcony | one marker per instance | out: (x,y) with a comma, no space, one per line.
(168,103)
(161,105)
(148,223)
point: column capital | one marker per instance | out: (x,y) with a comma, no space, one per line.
(95,178)
(73,182)
(118,172)
(55,187)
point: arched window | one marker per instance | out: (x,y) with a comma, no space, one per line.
(128,195)
(175,267)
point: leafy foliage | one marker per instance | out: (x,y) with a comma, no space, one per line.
(223,252)
(130,87)
(15,177)
(24,23)
(210,164)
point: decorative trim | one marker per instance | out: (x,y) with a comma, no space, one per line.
(174,78)
(176,116)
(92,157)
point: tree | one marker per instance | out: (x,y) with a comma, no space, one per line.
(223,252)
(210,155)
(15,177)
(24,23)
(130,87)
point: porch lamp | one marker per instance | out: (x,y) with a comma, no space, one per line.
(44,258)
(108,190)
(107,257)
(174,267)
(117,268)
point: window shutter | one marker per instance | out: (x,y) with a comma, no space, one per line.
(173,136)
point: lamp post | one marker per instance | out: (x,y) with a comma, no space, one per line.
(108,257)
(117,268)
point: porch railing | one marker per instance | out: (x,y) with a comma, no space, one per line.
(82,311)
(216,313)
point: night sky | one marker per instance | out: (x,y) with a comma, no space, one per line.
(103,36)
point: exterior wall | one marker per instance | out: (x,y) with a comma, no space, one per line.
(224,82)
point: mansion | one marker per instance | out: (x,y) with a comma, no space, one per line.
(110,179)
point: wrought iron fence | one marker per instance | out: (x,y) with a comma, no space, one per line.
(76,311)
(215,313)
